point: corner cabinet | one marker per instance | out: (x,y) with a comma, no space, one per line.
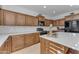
(49,47)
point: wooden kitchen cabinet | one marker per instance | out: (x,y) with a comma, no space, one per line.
(31,39)
(26,20)
(35,21)
(36,38)
(48,22)
(6,47)
(49,47)
(17,42)
(61,22)
(20,19)
(30,21)
(72,17)
(9,18)
(40,18)
(43,46)
(1,17)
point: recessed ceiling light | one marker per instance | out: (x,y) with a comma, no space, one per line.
(54,11)
(71,5)
(44,6)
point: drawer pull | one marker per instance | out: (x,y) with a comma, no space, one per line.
(57,46)
(52,52)
(59,52)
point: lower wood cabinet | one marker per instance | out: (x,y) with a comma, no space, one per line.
(17,42)
(31,39)
(49,47)
(6,47)
(36,37)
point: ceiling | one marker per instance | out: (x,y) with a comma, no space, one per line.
(51,10)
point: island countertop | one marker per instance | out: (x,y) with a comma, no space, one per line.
(67,39)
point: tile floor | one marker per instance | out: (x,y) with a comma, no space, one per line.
(35,49)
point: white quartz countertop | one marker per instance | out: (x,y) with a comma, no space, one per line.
(70,40)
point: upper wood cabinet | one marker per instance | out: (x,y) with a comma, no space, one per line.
(35,21)
(62,22)
(76,17)
(48,22)
(20,19)
(1,17)
(72,17)
(31,21)
(59,22)
(9,18)
(40,18)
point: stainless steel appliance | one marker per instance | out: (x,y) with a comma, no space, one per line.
(72,26)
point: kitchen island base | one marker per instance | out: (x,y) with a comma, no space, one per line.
(49,47)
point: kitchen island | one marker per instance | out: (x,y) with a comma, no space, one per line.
(59,43)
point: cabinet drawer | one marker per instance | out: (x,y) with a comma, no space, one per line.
(57,46)
(51,51)
(55,50)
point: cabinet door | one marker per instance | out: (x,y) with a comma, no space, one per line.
(48,22)
(61,22)
(17,42)
(43,46)
(26,20)
(20,19)
(9,18)
(1,16)
(35,21)
(36,38)
(30,20)
(6,47)
(29,40)
(76,17)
